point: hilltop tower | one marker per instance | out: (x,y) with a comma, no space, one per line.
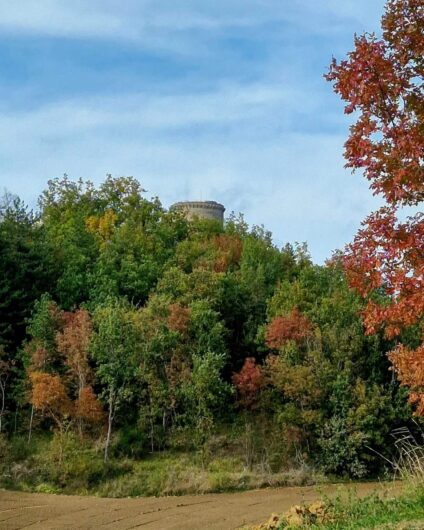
(201,210)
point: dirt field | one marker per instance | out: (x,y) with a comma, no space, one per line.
(204,512)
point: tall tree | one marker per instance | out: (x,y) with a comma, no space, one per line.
(382,81)
(114,347)
(5,372)
(73,342)
(26,269)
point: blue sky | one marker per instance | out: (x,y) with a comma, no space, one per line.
(199,99)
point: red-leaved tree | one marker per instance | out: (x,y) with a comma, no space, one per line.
(248,382)
(382,82)
(292,327)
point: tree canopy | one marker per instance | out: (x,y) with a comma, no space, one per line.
(382,83)
(123,317)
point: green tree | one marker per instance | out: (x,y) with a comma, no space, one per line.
(25,269)
(115,348)
(204,395)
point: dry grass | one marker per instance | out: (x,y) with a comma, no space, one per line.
(179,475)
(409,465)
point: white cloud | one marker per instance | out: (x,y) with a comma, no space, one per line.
(144,111)
(151,21)
(291,182)
(267,146)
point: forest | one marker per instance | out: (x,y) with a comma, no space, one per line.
(132,337)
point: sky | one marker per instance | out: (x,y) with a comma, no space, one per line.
(198,99)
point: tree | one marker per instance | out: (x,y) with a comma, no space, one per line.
(107,240)
(26,269)
(228,250)
(205,394)
(248,382)
(382,82)
(114,347)
(312,382)
(64,208)
(87,406)
(58,359)
(45,323)
(49,395)
(5,372)
(73,342)
(282,329)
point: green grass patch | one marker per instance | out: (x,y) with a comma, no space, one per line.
(375,511)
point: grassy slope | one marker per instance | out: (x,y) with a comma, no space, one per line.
(44,467)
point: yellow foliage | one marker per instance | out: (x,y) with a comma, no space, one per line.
(102,226)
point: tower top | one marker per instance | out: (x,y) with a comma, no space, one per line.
(201,210)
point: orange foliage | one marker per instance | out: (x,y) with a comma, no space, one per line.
(178,318)
(38,354)
(48,394)
(229,251)
(74,341)
(282,329)
(409,367)
(387,254)
(88,407)
(248,382)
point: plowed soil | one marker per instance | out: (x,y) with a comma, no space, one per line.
(225,511)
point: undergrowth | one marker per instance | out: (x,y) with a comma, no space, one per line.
(70,465)
(383,511)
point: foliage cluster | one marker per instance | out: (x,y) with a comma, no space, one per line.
(140,331)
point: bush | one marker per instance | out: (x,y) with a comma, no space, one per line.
(130,442)
(341,449)
(20,449)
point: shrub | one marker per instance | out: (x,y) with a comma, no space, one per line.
(341,449)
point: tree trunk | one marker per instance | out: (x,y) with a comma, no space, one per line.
(152,434)
(79,419)
(81,387)
(2,390)
(248,443)
(109,426)
(16,419)
(30,423)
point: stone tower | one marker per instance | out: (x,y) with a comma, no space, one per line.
(201,209)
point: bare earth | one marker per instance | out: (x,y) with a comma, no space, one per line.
(225,511)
